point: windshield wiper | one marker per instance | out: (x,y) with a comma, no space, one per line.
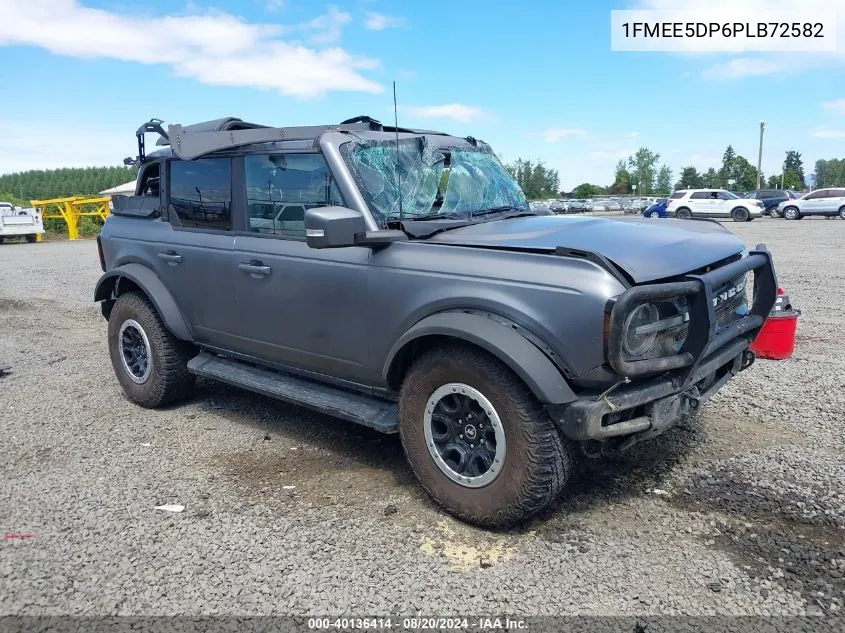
(518,212)
(433,216)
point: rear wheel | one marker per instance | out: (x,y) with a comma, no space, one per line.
(683,214)
(478,440)
(842,213)
(740,214)
(150,363)
(791,213)
(31,238)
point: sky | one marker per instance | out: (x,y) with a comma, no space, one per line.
(536,79)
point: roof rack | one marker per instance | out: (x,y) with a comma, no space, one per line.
(192,141)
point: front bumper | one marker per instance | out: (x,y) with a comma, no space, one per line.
(650,407)
(674,385)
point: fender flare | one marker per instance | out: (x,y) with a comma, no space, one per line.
(155,290)
(518,353)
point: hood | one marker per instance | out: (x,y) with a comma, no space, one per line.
(646,250)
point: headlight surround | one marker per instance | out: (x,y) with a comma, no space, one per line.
(636,342)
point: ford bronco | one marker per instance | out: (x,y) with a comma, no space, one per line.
(398,278)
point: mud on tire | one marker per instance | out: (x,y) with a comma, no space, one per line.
(537,460)
(135,324)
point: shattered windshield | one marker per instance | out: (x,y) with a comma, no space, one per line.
(453,182)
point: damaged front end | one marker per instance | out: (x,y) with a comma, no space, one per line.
(710,338)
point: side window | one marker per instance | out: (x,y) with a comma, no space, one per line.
(201,193)
(837,193)
(700,195)
(280,187)
(677,195)
(721,195)
(148,185)
(815,195)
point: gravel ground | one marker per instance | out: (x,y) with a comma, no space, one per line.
(740,511)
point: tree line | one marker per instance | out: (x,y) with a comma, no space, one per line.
(736,173)
(40,184)
(536,180)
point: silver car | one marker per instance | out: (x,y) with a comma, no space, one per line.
(829,202)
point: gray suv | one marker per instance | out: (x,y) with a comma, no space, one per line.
(828,202)
(398,278)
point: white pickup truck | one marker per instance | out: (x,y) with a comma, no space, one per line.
(18,222)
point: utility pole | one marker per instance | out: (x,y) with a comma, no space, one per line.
(760,153)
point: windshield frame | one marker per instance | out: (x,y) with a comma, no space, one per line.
(434,148)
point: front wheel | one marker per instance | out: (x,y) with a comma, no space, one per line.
(740,214)
(683,214)
(150,363)
(478,440)
(842,213)
(791,213)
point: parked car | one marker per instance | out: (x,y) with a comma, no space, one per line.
(713,203)
(559,206)
(577,206)
(495,342)
(828,202)
(657,209)
(19,222)
(771,198)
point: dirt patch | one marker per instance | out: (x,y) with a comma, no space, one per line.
(782,535)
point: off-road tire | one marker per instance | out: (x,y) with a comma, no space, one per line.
(796,214)
(31,239)
(538,459)
(740,214)
(169,379)
(683,214)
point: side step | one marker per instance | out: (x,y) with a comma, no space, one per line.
(378,414)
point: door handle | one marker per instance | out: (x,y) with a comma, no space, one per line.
(255,269)
(171,258)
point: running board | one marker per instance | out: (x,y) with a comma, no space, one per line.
(378,414)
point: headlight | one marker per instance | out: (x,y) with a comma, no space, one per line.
(637,339)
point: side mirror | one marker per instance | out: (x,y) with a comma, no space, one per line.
(332,227)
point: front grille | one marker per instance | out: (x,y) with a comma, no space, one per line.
(727,311)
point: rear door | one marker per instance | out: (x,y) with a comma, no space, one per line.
(699,202)
(838,200)
(298,306)
(194,258)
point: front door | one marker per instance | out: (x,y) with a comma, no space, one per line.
(298,306)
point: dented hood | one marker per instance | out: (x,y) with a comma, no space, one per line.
(646,250)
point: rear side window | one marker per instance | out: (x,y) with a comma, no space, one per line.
(201,193)
(280,187)
(700,195)
(678,194)
(837,193)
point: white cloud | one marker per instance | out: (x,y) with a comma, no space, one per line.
(769,64)
(555,134)
(328,28)
(379,21)
(274,5)
(455,111)
(214,47)
(632,135)
(823,132)
(836,105)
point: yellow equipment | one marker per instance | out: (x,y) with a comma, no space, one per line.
(71,209)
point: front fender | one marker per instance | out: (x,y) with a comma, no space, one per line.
(509,346)
(151,285)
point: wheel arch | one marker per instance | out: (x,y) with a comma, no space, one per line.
(135,276)
(521,355)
